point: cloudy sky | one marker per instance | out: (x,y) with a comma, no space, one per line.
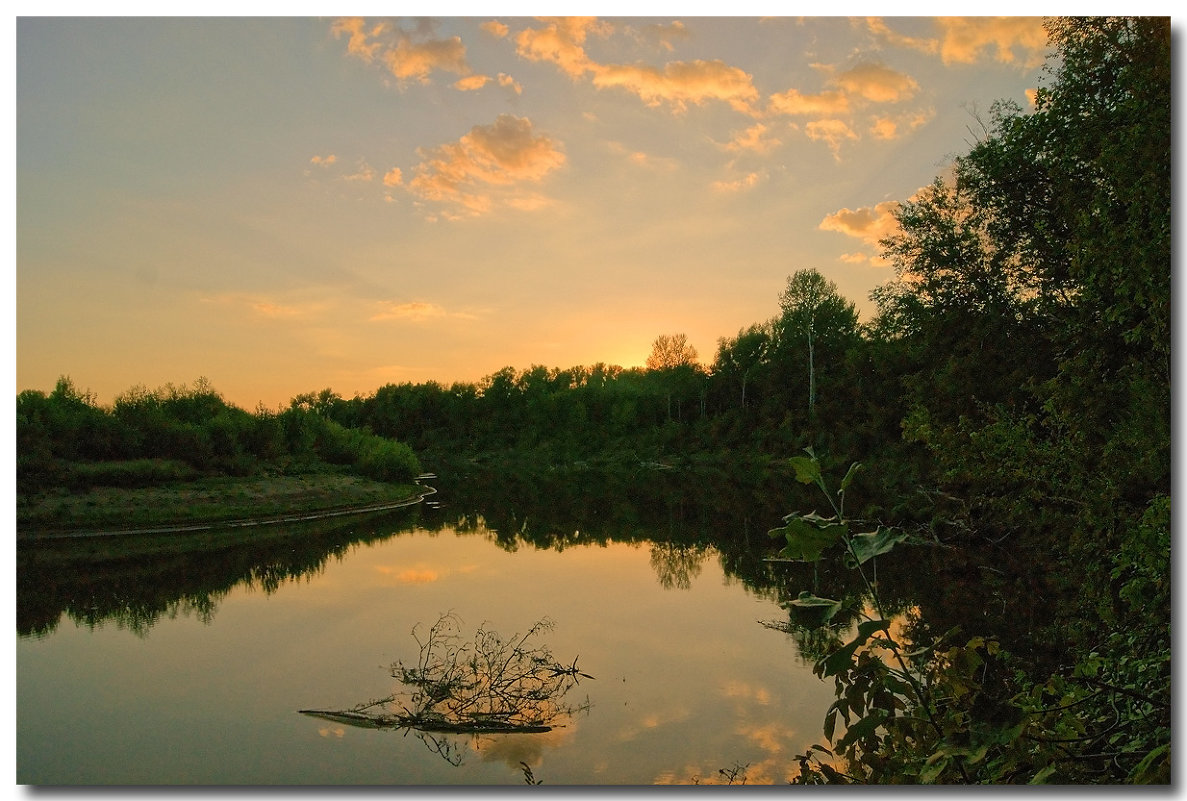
(285,205)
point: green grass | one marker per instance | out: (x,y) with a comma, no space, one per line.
(203,500)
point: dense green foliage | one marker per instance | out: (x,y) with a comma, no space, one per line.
(66,439)
(1032,313)
(1010,402)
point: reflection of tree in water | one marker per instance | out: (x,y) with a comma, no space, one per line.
(677,564)
(67,577)
(488,685)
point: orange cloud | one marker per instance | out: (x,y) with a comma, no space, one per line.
(678,83)
(748,181)
(410,59)
(501,155)
(867,82)
(662,35)
(357,45)
(265,307)
(470,83)
(415,311)
(753,139)
(509,82)
(832,133)
(408,55)
(870,224)
(880,29)
(794,102)
(682,82)
(876,83)
(965,40)
(645,160)
(323,161)
(894,127)
(1020,40)
(495,29)
(393,177)
(562,42)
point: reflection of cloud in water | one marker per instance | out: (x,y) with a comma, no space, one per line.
(769,738)
(332,731)
(775,742)
(739,689)
(769,771)
(417,576)
(420,574)
(651,721)
(511,749)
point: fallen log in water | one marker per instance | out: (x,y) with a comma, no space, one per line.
(365,721)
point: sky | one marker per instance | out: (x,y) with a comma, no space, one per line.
(290,204)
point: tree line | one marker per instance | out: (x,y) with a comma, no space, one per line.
(67,439)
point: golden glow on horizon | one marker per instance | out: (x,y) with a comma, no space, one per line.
(478,194)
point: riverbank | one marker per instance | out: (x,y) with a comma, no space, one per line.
(204,502)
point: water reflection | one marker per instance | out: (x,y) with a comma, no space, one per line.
(683,517)
(658,581)
(688,684)
(677,564)
(136,583)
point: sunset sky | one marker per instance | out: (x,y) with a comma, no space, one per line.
(285,205)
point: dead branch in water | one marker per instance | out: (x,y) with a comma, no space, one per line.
(483,686)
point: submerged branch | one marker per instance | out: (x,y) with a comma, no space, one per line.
(485,686)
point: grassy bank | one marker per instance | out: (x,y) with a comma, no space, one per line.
(202,500)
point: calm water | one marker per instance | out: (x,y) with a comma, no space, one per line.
(189,670)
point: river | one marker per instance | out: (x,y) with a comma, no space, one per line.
(190,669)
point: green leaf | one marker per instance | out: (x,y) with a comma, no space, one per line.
(830,722)
(1154,767)
(808,535)
(848,479)
(831,774)
(876,543)
(807,469)
(862,728)
(807,599)
(1041,776)
(821,610)
(837,661)
(933,770)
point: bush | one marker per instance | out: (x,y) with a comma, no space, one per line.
(337,444)
(128,473)
(387,460)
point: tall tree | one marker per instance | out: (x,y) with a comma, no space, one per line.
(813,311)
(740,357)
(671,350)
(675,361)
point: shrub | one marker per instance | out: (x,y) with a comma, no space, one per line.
(128,473)
(387,460)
